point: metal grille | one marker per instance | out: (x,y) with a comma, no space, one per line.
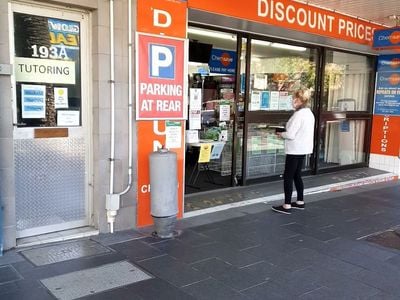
(50,181)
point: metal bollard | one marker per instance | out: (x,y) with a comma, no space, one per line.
(163,191)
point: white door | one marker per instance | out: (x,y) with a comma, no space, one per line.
(51,132)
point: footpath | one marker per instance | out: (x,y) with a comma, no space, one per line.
(344,245)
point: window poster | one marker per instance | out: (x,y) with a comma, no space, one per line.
(195,119)
(195,99)
(224,111)
(33,101)
(173,134)
(47,55)
(255,101)
(264,105)
(60,97)
(67,118)
(274,101)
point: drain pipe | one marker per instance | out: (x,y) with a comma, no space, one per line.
(113,200)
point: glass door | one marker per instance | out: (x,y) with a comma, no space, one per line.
(345,118)
(51,131)
(210,129)
(277,70)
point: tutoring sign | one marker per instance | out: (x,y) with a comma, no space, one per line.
(160,86)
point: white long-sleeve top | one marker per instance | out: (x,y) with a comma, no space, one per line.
(299,134)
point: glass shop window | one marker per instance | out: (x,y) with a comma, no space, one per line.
(347,82)
(278,70)
(47,71)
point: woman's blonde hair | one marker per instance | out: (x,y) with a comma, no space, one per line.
(304,96)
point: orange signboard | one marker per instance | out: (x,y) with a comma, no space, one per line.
(293,15)
(167,18)
(151,136)
(385,135)
(162,17)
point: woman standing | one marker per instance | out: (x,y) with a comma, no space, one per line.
(299,141)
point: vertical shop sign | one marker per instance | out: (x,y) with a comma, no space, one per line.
(386,119)
(163,19)
(160,87)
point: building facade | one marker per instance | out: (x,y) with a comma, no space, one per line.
(84,102)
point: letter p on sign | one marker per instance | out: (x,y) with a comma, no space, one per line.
(162,61)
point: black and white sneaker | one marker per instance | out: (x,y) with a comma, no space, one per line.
(297,206)
(281,209)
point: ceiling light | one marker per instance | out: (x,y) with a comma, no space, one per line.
(288,47)
(215,34)
(261,43)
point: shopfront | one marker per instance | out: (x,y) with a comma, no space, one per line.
(243,101)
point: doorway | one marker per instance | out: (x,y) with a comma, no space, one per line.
(51,131)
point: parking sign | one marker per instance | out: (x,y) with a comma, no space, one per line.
(160,86)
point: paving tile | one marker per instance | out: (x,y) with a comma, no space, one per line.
(240,279)
(136,250)
(213,267)
(231,238)
(185,253)
(194,239)
(388,284)
(172,270)
(119,293)
(122,236)
(7,274)
(267,291)
(308,231)
(10,257)
(232,256)
(323,293)
(213,289)
(157,289)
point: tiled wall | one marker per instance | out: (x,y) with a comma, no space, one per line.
(385,162)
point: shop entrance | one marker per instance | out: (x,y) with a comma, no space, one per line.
(234,110)
(50,123)
(211,133)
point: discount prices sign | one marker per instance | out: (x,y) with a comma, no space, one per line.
(160,80)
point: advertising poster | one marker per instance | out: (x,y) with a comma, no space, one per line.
(387,97)
(222,61)
(264,100)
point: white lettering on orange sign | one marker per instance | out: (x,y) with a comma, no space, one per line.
(385,129)
(157,14)
(278,11)
(145,188)
(160,89)
(307,18)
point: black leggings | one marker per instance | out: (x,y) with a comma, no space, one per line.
(293,165)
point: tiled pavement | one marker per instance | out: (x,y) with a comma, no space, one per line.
(247,252)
